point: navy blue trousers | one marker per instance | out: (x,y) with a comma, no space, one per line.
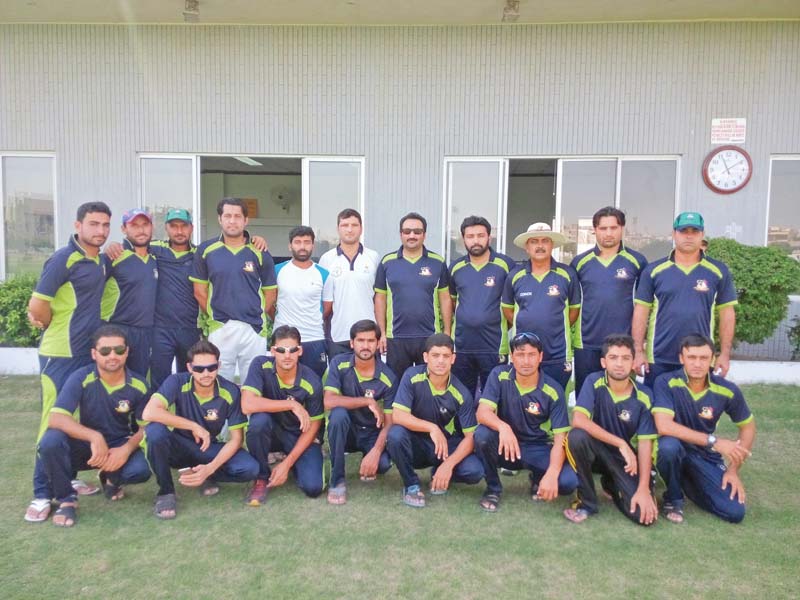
(587,361)
(556,369)
(315,356)
(140,343)
(344,436)
(657,369)
(473,369)
(402,353)
(168,345)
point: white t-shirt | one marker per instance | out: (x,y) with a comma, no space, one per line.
(300,299)
(351,289)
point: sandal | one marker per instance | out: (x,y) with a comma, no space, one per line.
(672,513)
(111,490)
(38,510)
(66,515)
(577,515)
(164,504)
(413,496)
(337,495)
(83,488)
(490,502)
(209,488)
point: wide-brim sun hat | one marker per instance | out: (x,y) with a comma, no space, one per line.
(539,230)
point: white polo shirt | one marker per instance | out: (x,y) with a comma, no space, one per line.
(351,288)
(300,299)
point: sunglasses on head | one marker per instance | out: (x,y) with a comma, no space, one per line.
(415,230)
(202,368)
(284,349)
(526,337)
(106,350)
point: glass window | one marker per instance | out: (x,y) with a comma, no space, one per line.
(167,183)
(475,188)
(28,195)
(531,198)
(783,228)
(647,195)
(332,187)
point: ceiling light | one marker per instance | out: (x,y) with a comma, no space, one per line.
(248,161)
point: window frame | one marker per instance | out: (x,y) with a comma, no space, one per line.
(772,159)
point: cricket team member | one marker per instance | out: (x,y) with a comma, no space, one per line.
(608,274)
(129,298)
(433,422)
(412,299)
(544,297)
(66,304)
(688,404)
(523,422)
(351,272)
(92,425)
(476,285)
(234,284)
(359,391)
(611,413)
(300,288)
(681,294)
(283,399)
(186,417)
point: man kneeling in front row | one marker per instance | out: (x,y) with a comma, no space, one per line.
(186,416)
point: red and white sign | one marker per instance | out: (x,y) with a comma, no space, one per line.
(728,131)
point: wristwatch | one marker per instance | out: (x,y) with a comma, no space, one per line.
(710,441)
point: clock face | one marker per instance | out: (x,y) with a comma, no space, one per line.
(727,169)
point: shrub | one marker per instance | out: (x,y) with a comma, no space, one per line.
(764,278)
(14,327)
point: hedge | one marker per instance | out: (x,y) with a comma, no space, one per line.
(14,327)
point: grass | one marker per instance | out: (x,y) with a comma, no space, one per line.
(374,547)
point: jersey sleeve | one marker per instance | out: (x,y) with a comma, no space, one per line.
(333,382)
(327,285)
(444,278)
(267,272)
(507,299)
(559,417)
(254,381)
(168,392)
(314,403)
(199,272)
(644,289)
(574,289)
(452,282)
(737,408)
(466,415)
(388,397)
(54,275)
(236,419)
(404,397)
(138,409)
(646,427)
(662,396)
(726,294)
(380,279)
(585,400)
(69,398)
(490,395)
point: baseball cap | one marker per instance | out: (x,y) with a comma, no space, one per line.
(131,214)
(179,214)
(688,219)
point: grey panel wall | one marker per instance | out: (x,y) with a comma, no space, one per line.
(404,97)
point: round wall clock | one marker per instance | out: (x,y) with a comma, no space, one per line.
(727,169)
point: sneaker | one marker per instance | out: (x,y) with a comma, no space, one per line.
(84,489)
(413,496)
(258,493)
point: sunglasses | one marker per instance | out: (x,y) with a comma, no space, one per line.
(106,350)
(526,337)
(203,368)
(415,231)
(284,350)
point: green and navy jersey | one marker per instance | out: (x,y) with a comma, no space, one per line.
(129,297)
(701,411)
(343,379)
(179,396)
(627,417)
(262,379)
(72,283)
(451,410)
(541,305)
(112,411)
(534,414)
(682,301)
(479,324)
(176,306)
(236,277)
(412,287)
(607,288)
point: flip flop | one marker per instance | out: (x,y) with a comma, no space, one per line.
(490,503)
(577,515)
(672,513)
(164,503)
(209,488)
(69,512)
(337,495)
(112,491)
(38,510)
(413,497)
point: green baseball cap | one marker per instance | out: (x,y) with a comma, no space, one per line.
(179,214)
(689,219)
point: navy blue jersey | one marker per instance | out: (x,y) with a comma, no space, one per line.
(176,305)
(412,293)
(72,283)
(451,409)
(110,411)
(178,395)
(627,417)
(129,297)
(343,379)
(682,301)
(235,278)
(479,325)
(534,414)
(607,290)
(702,411)
(541,305)
(262,379)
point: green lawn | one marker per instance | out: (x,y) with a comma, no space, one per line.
(374,547)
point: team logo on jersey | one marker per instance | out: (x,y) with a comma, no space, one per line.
(702,285)
(625,415)
(622,274)
(489,281)
(249,267)
(336,271)
(212,414)
(443,410)
(707,412)
(123,406)
(553,290)
(534,408)
(425,272)
(369,393)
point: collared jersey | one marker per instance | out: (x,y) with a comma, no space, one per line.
(412,293)
(682,302)
(627,418)
(72,283)
(702,411)
(236,277)
(300,299)
(607,290)
(479,324)
(111,411)
(262,379)
(351,288)
(541,305)
(451,409)
(178,395)
(176,305)
(534,414)
(345,380)
(129,297)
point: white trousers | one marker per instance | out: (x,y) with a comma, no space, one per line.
(238,345)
